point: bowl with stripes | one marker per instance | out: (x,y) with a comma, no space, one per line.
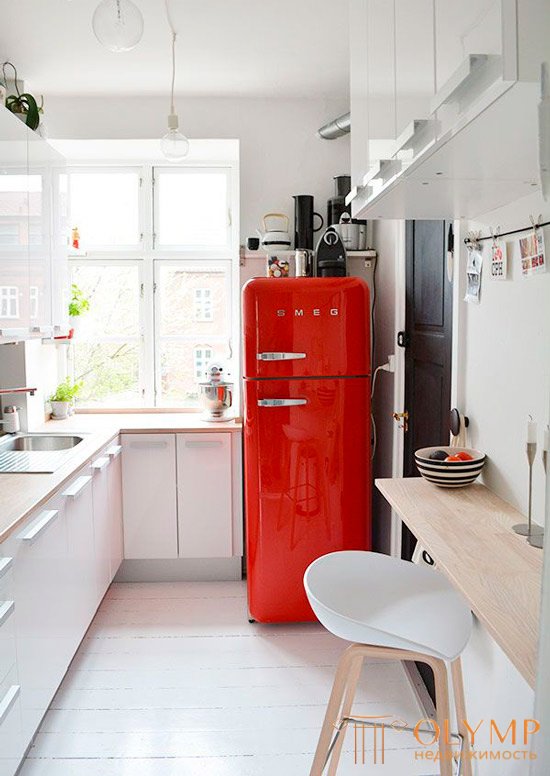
(449,474)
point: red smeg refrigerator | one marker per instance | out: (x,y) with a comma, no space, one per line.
(306,433)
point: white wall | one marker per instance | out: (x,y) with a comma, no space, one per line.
(280,154)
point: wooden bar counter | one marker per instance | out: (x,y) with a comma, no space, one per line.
(468,533)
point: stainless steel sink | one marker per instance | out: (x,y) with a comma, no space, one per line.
(42,442)
(36,453)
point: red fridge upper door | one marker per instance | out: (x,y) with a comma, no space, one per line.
(306,327)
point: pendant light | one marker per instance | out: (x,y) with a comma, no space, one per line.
(174,145)
(118,24)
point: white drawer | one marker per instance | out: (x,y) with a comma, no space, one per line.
(7,637)
(6,576)
(12,743)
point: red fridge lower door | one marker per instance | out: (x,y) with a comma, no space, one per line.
(308,484)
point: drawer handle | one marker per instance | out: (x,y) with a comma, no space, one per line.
(216,443)
(8,700)
(5,566)
(148,445)
(6,610)
(279,356)
(101,463)
(77,487)
(45,519)
(114,451)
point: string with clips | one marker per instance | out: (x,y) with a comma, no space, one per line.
(474,238)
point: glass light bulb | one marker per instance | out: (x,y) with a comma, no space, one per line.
(118,24)
(174,145)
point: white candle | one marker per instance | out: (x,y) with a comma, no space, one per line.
(546,442)
(531,431)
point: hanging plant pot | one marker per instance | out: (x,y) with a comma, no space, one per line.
(24,106)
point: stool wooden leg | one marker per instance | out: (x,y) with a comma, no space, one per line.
(353,679)
(442,715)
(333,709)
(460,704)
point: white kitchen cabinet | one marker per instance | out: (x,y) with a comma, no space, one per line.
(12,741)
(116,541)
(149,496)
(33,252)
(102,522)
(40,584)
(204,495)
(81,595)
(448,127)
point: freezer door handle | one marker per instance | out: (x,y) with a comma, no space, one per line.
(279,356)
(281,402)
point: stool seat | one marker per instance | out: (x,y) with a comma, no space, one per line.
(370,598)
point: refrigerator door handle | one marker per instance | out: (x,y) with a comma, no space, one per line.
(281,402)
(279,356)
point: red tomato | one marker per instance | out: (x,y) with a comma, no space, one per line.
(453,458)
(465,456)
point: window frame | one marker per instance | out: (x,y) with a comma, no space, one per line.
(8,299)
(147,256)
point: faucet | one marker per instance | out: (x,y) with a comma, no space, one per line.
(32,391)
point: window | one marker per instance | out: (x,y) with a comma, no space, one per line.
(161,307)
(180,335)
(192,208)
(203,304)
(105,207)
(203,356)
(107,348)
(33,301)
(9,302)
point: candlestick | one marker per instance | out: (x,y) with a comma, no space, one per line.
(531,431)
(532,532)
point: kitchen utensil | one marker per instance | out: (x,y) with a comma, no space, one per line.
(272,238)
(349,232)
(252,243)
(449,474)
(342,185)
(362,233)
(303,221)
(277,267)
(215,394)
(330,255)
(302,261)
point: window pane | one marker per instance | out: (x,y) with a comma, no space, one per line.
(180,363)
(192,209)
(109,373)
(105,208)
(107,355)
(193,301)
(113,293)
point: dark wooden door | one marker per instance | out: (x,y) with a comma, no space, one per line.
(428,341)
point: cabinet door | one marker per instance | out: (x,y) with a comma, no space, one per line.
(40,560)
(149,496)
(102,523)
(14,228)
(12,741)
(81,593)
(115,507)
(204,495)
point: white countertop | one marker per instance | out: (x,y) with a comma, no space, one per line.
(20,494)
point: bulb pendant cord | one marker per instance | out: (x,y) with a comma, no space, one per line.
(174,38)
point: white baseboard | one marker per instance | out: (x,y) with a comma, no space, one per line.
(181,570)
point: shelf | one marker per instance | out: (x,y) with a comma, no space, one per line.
(469,70)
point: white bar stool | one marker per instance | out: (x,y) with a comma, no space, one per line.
(394,610)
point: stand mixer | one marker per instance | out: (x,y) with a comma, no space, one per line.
(215,394)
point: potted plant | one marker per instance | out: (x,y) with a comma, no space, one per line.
(78,305)
(63,397)
(23,105)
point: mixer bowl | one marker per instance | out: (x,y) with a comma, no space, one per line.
(216,400)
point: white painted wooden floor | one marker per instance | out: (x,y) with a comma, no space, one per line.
(172,680)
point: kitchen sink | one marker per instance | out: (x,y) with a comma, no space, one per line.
(41,442)
(36,453)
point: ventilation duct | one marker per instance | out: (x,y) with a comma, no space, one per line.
(336,128)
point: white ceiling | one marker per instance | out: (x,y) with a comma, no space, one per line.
(290,48)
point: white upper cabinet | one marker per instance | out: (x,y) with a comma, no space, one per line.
(444,105)
(33,252)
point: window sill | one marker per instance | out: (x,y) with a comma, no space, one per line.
(135,410)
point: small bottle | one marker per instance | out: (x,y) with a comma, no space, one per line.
(75,238)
